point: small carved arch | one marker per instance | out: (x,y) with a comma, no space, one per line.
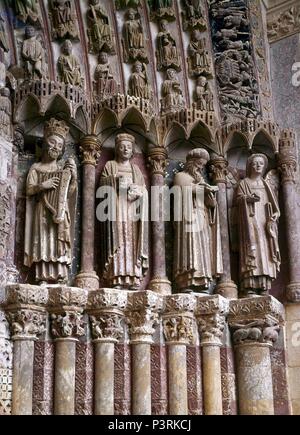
(58,106)
(105,120)
(81,120)
(237,150)
(27,109)
(263,142)
(201,136)
(132,118)
(174,136)
(232,140)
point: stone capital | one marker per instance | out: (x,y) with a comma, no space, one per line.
(157,160)
(67,299)
(68,325)
(255,320)
(107,299)
(178,319)
(218,169)
(287,157)
(142,315)
(106,327)
(24,295)
(211,314)
(90,150)
(293,292)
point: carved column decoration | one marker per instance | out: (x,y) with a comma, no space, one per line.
(255,324)
(106,311)
(90,150)
(179,331)
(289,168)
(211,314)
(157,162)
(142,318)
(218,167)
(25,308)
(66,307)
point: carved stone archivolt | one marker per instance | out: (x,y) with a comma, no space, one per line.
(199,57)
(139,85)
(161,10)
(134,47)
(68,66)
(172,94)
(167,53)
(192,15)
(26,11)
(99,29)
(105,84)
(63,19)
(34,56)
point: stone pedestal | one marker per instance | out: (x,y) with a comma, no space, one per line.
(143,317)
(66,307)
(255,323)
(87,278)
(211,314)
(106,311)
(25,308)
(179,331)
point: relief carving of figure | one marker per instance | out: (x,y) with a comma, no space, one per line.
(198,60)
(105,84)
(3,36)
(134,42)
(198,253)
(5,113)
(34,56)
(26,10)
(161,9)
(167,54)
(63,18)
(126,254)
(68,65)
(99,30)
(139,85)
(258,214)
(172,95)
(50,207)
(193,16)
(204,96)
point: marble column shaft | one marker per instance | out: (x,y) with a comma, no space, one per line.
(104,377)
(141,373)
(178,398)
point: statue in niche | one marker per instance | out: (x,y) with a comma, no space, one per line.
(51,191)
(161,9)
(198,60)
(167,54)
(34,56)
(126,255)
(124,4)
(139,85)
(99,30)
(68,65)
(172,94)
(134,42)
(5,113)
(105,84)
(198,252)
(26,10)
(3,36)
(192,15)
(63,19)
(258,214)
(204,95)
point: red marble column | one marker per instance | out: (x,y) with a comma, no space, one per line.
(226,287)
(87,277)
(159,282)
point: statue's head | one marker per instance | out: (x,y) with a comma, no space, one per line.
(124,146)
(201,81)
(171,74)
(163,25)
(67,47)
(138,67)
(55,134)
(103,57)
(196,35)
(196,161)
(257,164)
(29,32)
(131,14)
(5,92)
(94,2)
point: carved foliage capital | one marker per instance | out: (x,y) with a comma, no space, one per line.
(179,329)
(218,169)
(106,327)
(26,323)
(211,329)
(142,325)
(157,161)
(90,150)
(67,325)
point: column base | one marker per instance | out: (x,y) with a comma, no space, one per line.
(87,280)
(227,289)
(293,292)
(161,286)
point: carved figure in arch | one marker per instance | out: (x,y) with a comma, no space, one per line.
(172,94)
(51,197)
(139,85)
(198,252)
(63,19)
(199,59)
(124,4)
(204,95)
(99,29)
(161,9)
(34,56)
(126,236)
(258,214)
(3,36)
(167,54)
(68,65)
(105,84)
(5,113)
(193,15)
(25,10)
(134,42)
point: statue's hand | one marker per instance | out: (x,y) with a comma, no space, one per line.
(52,183)
(253,198)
